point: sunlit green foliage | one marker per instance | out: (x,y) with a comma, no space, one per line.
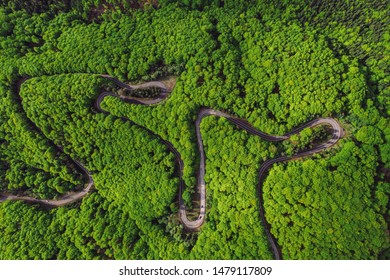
(277,64)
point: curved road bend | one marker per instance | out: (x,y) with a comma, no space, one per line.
(337,133)
(74,196)
(201,186)
(62,200)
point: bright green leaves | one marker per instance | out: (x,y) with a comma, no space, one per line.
(274,63)
(313,209)
(369,135)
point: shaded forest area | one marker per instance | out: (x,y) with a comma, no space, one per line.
(277,64)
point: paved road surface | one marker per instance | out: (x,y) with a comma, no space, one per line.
(337,133)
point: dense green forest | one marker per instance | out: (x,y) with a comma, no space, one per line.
(276,64)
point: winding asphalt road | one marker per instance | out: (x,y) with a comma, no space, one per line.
(337,133)
(63,200)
